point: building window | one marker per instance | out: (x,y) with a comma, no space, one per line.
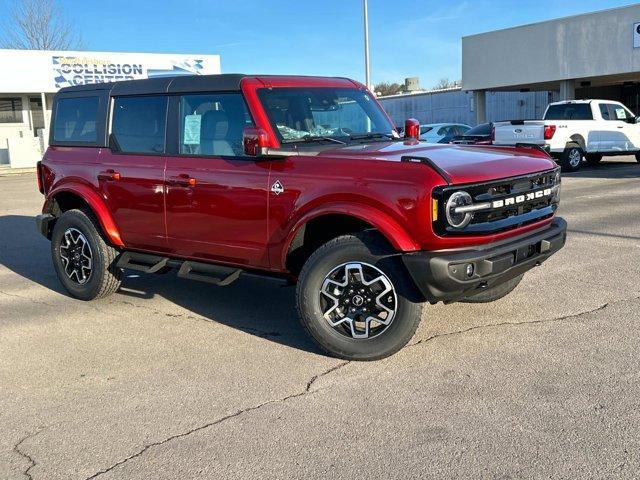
(76,120)
(139,124)
(10,110)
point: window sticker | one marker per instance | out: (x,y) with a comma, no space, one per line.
(192,130)
(621,114)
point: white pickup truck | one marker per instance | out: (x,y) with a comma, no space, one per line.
(575,129)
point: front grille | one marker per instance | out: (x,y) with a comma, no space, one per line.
(505,212)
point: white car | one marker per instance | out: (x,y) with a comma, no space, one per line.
(442,132)
(575,129)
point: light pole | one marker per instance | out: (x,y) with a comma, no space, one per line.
(367,73)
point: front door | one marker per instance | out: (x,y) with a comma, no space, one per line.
(625,119)
(615,133)
(131,173)
(216,197)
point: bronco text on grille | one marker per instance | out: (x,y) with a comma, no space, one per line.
(499,205)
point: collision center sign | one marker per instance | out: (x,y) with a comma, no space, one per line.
(26,71)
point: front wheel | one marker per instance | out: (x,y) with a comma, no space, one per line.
(571,158)
(356,302)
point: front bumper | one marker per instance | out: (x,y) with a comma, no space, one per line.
(443,276)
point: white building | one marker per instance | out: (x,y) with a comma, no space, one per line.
(30,78)
(595,55)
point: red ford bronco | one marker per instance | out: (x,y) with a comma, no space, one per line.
(303,178)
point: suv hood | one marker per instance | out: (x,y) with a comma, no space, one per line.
(462,163)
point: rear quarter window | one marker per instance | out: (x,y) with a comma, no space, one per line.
(569,111)
(76,120)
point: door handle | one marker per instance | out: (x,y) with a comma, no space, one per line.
(620,126)
(109,175)
(183,180)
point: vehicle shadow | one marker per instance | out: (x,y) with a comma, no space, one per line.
(608,168)
(259,307)
(24,251)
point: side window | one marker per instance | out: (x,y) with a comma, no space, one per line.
(212,124)
(139,124)
(569,111)
(76,119)
(619,112)
(604,110)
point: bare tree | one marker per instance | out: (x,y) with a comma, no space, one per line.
(39,25)
(445,83)
(385,88)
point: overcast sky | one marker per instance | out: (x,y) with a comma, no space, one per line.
(321,37)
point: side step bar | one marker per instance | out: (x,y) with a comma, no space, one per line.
(142,262)
(203,272)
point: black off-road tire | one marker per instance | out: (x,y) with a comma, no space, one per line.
(105,278)
(371,249)
(569,156)
(593,158)
(495,293)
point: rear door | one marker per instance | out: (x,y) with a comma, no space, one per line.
(216,196)
(131,173)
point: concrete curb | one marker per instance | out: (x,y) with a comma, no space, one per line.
(7,172)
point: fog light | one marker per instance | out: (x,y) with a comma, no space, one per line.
(470,269)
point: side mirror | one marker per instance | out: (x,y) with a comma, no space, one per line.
(412,129)
(637,119)
(255,141)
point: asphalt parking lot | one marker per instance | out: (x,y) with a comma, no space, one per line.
(171,379)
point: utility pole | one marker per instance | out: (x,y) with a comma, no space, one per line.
(366,45)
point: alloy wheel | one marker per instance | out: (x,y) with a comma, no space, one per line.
(358,300)
(76,256)
(575,157)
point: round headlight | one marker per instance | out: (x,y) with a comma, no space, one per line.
(458,199)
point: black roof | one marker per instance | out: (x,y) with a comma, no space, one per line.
(177,84)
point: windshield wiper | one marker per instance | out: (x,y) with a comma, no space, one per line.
(372,135)
(315,138)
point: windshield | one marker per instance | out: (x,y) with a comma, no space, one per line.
(298,114)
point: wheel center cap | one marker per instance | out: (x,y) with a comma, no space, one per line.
(357,301)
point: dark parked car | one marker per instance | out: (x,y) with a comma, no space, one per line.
(481,134)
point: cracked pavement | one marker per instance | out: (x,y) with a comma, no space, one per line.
(175,379)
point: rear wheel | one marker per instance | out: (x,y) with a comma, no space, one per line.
(356,302)
(593,158)
(495,293)
(571,158)
(84,262)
